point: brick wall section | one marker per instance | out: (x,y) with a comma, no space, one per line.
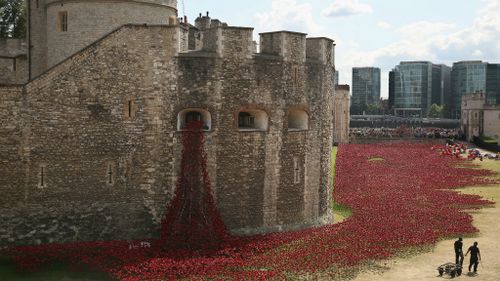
(75,131)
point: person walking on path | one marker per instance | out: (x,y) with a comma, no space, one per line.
(475,256)
(459,254)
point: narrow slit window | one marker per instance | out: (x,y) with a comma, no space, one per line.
(63,21)
(42,177)
(110,173)
(129,109)
(295,74)
(296,171)
(38,3)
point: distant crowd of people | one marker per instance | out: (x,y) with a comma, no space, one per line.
(456,150)
(404,131)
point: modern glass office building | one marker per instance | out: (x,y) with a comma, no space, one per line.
(365,87)
(493,84)
(466,77)
(416,85)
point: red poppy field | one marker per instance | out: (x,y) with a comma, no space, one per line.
(403,199)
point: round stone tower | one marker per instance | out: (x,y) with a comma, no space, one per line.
(71,25)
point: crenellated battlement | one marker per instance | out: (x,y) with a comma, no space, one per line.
(229,41)
(212,35)
(291,46)
(321,49)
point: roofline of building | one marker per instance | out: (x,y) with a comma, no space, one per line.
(283,31)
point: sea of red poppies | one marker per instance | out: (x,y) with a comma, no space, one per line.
(404,199)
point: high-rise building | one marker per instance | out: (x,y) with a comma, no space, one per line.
(466,77)
(392,89)
(416,85)
(365,88)
(493,84)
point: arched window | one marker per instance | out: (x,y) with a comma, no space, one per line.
(298,120)
(194,114)
(253,120)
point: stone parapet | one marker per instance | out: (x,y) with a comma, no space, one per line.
(291,46)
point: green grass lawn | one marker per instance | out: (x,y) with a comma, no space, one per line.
(340,213)
(487,192)
(53,273)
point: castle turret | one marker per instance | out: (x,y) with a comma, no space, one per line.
(60,28)
(291,46)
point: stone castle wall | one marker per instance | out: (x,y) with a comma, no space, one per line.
(96,150)
(87,21)
(101,170)
(13,61)
(341,114)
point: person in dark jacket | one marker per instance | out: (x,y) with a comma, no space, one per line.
(459,254)
(475,256)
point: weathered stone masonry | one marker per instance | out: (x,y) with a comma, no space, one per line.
(90,150)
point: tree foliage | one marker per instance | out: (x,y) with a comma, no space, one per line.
(436,111)
(12,19)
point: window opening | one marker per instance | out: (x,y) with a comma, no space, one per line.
(63,21)
(42,176)
(246,120)
(298,120)
(110,173)
(192,116)
(189,115)
(296,171)
(295,74)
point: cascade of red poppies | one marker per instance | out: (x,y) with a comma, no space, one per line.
(192,220)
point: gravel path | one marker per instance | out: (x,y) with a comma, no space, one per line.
(423,267)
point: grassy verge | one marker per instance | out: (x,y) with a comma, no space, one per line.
(487,192)
(340,213)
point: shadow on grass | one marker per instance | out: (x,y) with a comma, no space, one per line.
(56,272)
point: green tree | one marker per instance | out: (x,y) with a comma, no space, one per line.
(375,109)
(12,19)
(435,111)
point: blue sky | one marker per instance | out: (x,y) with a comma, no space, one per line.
(374,32)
